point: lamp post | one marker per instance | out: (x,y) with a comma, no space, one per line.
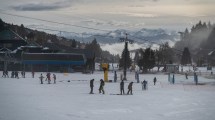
(126,40)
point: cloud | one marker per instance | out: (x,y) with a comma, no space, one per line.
(114,23)
(41,6)
(117,48)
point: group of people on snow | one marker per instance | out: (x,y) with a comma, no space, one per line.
(14,74)
(101,87)
(122,91)
(48,78)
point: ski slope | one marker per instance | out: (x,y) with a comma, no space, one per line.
(27,99)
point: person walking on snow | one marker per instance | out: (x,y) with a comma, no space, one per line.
(48,77)
(101,88)
(130,88)
(54,77)
(32,74)
(186,75)
(144,83)
(155,80)
(6,74)
(91,86)
(41,79)
(122,87)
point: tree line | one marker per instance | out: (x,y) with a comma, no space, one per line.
(193,47)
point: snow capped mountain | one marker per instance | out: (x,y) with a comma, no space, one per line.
(139,36)
(142,38)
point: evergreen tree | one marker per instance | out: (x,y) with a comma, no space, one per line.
(209,25)
(74,43)
(95,47)
(186,58)
(165,54)
(210,42)
(148,60)
(128,59)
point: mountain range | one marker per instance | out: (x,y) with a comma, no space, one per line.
(141,36)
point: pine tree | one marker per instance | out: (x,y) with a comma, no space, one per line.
(74,43)
(95,47)
(186,58)
(122,61)
(148,60)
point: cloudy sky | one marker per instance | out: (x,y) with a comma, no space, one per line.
(108,14)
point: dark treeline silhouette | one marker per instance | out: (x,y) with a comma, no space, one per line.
(200,40)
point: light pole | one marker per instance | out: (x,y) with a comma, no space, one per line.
(126,40)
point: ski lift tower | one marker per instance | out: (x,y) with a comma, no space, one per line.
(126,40)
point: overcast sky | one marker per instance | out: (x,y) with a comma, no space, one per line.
(109,14)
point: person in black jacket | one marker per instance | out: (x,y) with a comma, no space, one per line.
(91,86)
(101,88)
(155,80)
(130,88)
(144,85)
(122,87)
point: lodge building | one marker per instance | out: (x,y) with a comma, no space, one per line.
(16,54)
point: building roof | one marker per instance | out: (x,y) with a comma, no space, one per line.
(11,40)
(8,34)
(89,54)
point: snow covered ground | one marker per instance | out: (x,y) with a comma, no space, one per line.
(27,99)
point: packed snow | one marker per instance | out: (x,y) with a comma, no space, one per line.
(69,98)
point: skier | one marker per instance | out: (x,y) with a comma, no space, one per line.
(144,83)
(6,74)
(17,74)
(196,78)
(3,74)
(155,80)
(41,78)
(12,74)
(115,76)
(173,79)
(54,77)
(101,88)
(91,86)
(130,88)
(137,77)
(32,74)
(186,75)
(48,77)
(23,74)
(122,87)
